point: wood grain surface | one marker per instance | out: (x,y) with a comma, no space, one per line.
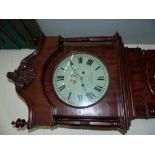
(131,92)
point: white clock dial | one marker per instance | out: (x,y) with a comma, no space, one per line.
(80,80)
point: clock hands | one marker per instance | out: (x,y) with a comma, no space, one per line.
(81,78)
(82,84)
(89,95)
(75,71)
(80,81)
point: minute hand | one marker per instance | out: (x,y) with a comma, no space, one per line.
(81,78)
(75,71)
(82,83)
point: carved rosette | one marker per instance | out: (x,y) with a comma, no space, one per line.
(23,76)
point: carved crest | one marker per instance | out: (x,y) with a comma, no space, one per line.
(23,76)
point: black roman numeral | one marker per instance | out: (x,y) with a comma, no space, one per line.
(71,63)
(89,96)
(89,62)
(69,95)
(98,88)
(60,78)
(93,94)
(62,87)
(80,60)
(97,68)
(63,69)
(100,78)
(80,98)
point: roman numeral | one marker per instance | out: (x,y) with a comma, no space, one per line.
(62,87)
(71,63)
(80,60)
(80,98)
(89,96)
(69,95)
(98,88)
(89,62)
(100,78)
(93,94)
(63,69)
(97,68)
(60,78)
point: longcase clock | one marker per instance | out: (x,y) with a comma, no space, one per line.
(87,81)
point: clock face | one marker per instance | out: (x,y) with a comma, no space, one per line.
(80,80)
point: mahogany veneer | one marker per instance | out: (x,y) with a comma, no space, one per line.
(131,92)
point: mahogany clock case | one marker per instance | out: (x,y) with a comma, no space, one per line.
(130,95)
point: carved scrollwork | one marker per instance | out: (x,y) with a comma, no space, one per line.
(23,76)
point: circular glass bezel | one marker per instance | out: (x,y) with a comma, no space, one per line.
(61,62)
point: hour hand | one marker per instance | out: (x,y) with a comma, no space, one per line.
(75,71)
(82,84)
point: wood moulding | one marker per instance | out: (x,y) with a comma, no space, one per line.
(131,93)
